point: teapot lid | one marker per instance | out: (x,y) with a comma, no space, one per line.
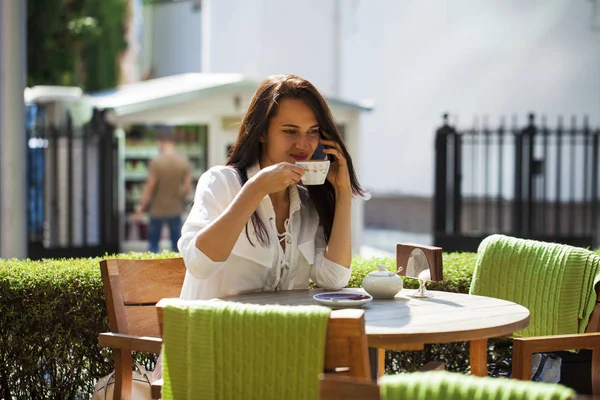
(381,271)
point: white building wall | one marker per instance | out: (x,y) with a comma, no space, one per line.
(263,37)
(498,57)
(171,39)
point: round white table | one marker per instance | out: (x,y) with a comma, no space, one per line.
(407,323)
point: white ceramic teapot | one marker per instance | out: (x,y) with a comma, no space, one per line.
(382,284)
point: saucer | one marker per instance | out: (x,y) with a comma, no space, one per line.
(343,299)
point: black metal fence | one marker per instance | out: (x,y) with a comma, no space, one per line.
(72,189)
(536,181)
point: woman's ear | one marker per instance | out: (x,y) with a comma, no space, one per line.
(263,138)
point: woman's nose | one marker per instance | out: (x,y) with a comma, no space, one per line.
(303,143)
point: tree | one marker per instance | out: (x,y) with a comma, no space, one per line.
(75,42)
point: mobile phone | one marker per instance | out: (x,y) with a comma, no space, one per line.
(318,154)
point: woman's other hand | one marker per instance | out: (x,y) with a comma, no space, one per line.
(338,173)
(277,177)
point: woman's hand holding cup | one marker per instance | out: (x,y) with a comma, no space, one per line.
(277,177)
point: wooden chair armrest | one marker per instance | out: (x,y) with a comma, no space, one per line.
(523,348)
(559,342)
(156,388)
(120,341)
(336,387)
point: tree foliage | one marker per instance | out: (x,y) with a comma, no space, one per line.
(75,42)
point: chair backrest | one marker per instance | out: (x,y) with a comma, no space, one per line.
(346,348)
(133,287)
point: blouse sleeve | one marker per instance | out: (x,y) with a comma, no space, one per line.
(326,273)
(213,195)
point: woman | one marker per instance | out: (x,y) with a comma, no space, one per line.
(252,226)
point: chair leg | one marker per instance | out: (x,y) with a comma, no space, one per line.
(156,388)
(596,372)
(478,357)
(521,361)
(123,374)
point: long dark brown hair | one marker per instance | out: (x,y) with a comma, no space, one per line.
(247,149)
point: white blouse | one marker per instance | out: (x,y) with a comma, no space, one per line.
(255,268)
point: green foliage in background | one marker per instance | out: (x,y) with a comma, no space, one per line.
(75,42)
(51,312)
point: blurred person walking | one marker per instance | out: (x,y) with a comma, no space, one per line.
(165,192)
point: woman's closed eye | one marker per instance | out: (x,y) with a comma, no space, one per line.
(310,133)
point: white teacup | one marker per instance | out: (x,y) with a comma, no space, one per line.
(315,171)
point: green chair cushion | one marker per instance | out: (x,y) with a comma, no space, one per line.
(444,385)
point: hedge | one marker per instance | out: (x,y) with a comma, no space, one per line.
(51,312)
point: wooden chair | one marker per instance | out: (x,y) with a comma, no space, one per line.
(131,289)
(347,372)
(524,347)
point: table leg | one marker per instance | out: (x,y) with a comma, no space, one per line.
(478,357)
(381,363)
(377,361)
